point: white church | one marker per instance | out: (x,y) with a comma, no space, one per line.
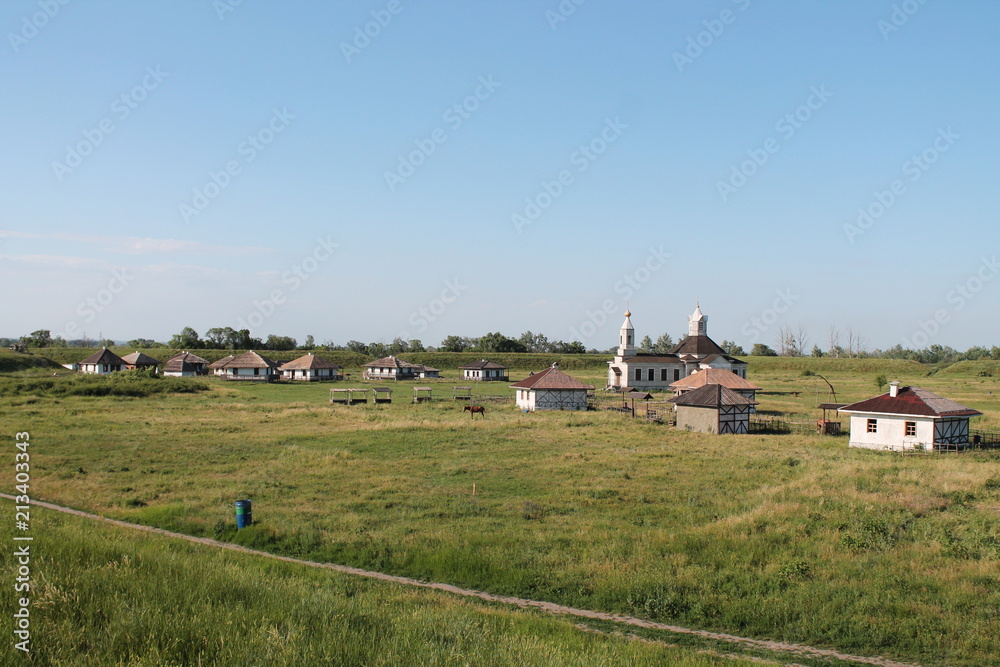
(637,370)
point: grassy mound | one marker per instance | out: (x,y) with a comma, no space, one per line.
(980,368)
(12,362)
(137,384)
(890,367)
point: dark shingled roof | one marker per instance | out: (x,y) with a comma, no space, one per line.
(391,362)
(482,365)
(551,378)
(184,362)
(700,345)
(712,396)
(912,401)
(105,356)
(139,359)
(308,361)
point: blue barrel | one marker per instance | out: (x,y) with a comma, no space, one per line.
(244,513)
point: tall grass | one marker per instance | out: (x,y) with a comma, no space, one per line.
(785,537)
(107,596)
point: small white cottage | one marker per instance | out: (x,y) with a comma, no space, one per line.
(551,389)
(102,363)
(391,368)
(251,367)
(184,364)
(484,371)
(310,368)
(909,418)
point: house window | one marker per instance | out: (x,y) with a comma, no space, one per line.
(638,374)
(911,429)
(650,375)
(663,375)
(873,426)
(256,371)
(677,374)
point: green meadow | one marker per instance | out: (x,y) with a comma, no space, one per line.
(786,537)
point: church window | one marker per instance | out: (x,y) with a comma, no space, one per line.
(663,375)
(638,374)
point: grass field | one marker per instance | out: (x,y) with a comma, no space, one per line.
(795,538)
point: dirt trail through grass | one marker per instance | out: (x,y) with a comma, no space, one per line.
(549,607)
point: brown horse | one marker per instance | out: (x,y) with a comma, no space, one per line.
(475,409)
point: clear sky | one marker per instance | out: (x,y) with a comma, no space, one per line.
(364,170)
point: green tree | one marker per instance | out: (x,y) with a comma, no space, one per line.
(497,342)
(663,344)
(762,350)
(646,345)
(535,342)
(310,343)
(219,337)
(454,344)
(733,349)
(357,346)
(187,339)
(881,381)
(280,342)
(40,338)
(816,352)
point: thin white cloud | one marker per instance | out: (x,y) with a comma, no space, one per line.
(134,245)
(55,262)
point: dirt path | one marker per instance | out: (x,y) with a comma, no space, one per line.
(549,607)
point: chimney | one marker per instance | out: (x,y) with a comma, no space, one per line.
(894,389)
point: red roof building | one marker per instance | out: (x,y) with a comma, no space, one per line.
(909,418)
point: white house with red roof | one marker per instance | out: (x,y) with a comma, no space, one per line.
(909,418)
(551,389)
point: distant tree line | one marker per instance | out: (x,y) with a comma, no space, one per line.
(790,342)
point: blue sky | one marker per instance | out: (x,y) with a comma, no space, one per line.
(467,167)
